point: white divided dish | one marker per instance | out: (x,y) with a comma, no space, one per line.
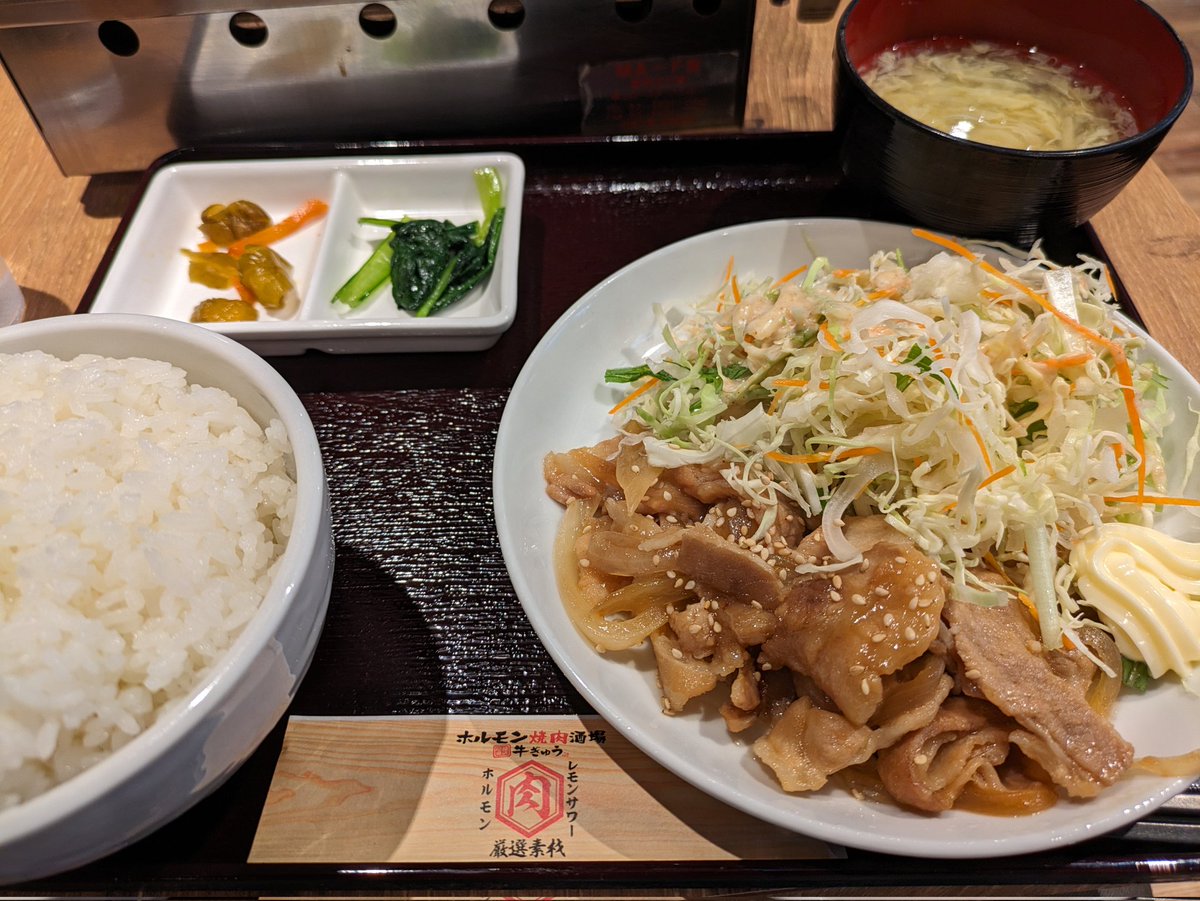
(148,273)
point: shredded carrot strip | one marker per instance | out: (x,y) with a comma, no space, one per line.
(737,294)
(844,273)
(877,295)
(1029,605)
(310,212)
(728,273)
(995,566)
(1067,361)
(1157,501)
(1116,452)
(1027,601)
(825,457)
(824,328)
(966,420)
(997,475)
(634,395)
(991,295)
(791,275)
(1120,361)
(243,292)
(790,383)
(1112,285)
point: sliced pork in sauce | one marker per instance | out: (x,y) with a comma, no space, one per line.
(598,471)
(911,699)
(681,676)
(807,744)
(929,768)
(584,472)
(745,697)
(730,569)
(704,483)
(849,630)
(1002,658)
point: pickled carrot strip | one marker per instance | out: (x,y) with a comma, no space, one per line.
(289,225)
(244,293)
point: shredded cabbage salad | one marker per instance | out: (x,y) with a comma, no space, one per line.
(991,413)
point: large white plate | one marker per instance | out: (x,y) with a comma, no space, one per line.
(148,274)
(559,402)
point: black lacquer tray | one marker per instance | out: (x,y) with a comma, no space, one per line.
(423,619)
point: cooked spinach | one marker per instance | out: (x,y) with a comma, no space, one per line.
(432,263)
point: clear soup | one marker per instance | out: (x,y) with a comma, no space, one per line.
(1007,96)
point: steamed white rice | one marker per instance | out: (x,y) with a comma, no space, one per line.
(140,521)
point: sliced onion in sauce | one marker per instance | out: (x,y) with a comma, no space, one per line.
(635,475)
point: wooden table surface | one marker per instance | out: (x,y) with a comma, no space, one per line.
(54,229)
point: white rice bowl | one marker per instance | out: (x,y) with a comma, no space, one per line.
(165,565)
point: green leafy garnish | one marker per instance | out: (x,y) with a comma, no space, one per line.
(1023,408)
(735,371)
(806,338)
(1135,675)
(915,355)
(627,374)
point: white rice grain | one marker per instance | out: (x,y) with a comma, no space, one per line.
(140,520)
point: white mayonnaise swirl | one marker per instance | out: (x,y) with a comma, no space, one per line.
(1145,586)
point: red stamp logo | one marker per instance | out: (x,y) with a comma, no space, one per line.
(529,798)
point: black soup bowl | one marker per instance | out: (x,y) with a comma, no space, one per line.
(979,190)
